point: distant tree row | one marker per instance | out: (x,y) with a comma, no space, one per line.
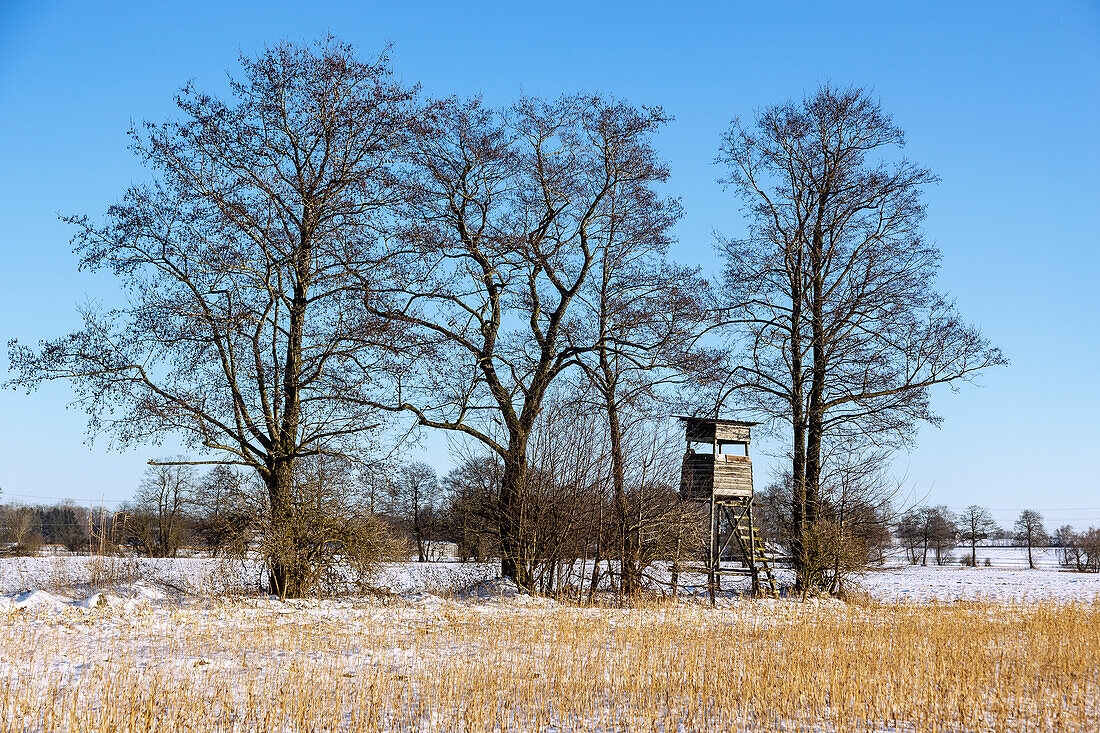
(24,530)
(366,514)
(940,531)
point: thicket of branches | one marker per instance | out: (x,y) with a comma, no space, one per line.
(838,331)
(324,254)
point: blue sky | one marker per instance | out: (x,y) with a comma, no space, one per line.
(1000,99)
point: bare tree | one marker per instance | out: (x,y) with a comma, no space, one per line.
(1030,532)
(934,528)
(377,478)
(244,330)
(647,315)
(222,519)
(942,533)
(64,524)
(19,529)
(159,513)
(830,293)
(416,501)
(910,535)
(1070,554)
(975,525)
(505,210)
(473,488)
(1081,550)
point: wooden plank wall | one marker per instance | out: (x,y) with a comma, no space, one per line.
(738,433)
(727,476)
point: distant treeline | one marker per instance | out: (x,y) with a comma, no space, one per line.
(177,509)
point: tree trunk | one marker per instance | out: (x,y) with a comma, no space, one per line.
(418,529)
(628,560)
(514,562)
(594,583)
(815,414)
(798,422)
(285,577)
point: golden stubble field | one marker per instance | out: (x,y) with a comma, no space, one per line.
(509,665)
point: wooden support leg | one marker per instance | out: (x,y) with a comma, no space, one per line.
(712,553)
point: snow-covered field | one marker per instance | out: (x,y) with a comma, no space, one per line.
(953,582)
(1013,558)
(1007,580)
(137,644)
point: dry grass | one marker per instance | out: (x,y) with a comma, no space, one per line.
(758,666)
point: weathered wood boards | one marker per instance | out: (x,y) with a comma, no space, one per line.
(710,473)
(704,474)
(724,482)
(699,430)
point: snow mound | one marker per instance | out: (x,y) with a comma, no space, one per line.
(99,599)
(429,600)
(496,588)
(31,599)
(501,590)
(128,597)
(144,593)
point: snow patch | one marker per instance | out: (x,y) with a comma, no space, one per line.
(32,599)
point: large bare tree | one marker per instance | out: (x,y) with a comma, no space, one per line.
(647,314)
(830,294)
(243,329)
(503,237)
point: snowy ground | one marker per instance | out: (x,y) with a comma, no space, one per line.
(111,644)
(74,579)
(954,582)
(1014,558)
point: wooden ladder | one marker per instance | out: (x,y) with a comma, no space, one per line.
(754,556)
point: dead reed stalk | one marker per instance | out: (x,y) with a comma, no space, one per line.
(758,666)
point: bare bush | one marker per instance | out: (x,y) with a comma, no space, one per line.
(1079,550)
(853,515)
(19,530)
(158,517)
(328,532)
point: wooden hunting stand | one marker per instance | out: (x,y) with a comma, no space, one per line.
(723,483)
